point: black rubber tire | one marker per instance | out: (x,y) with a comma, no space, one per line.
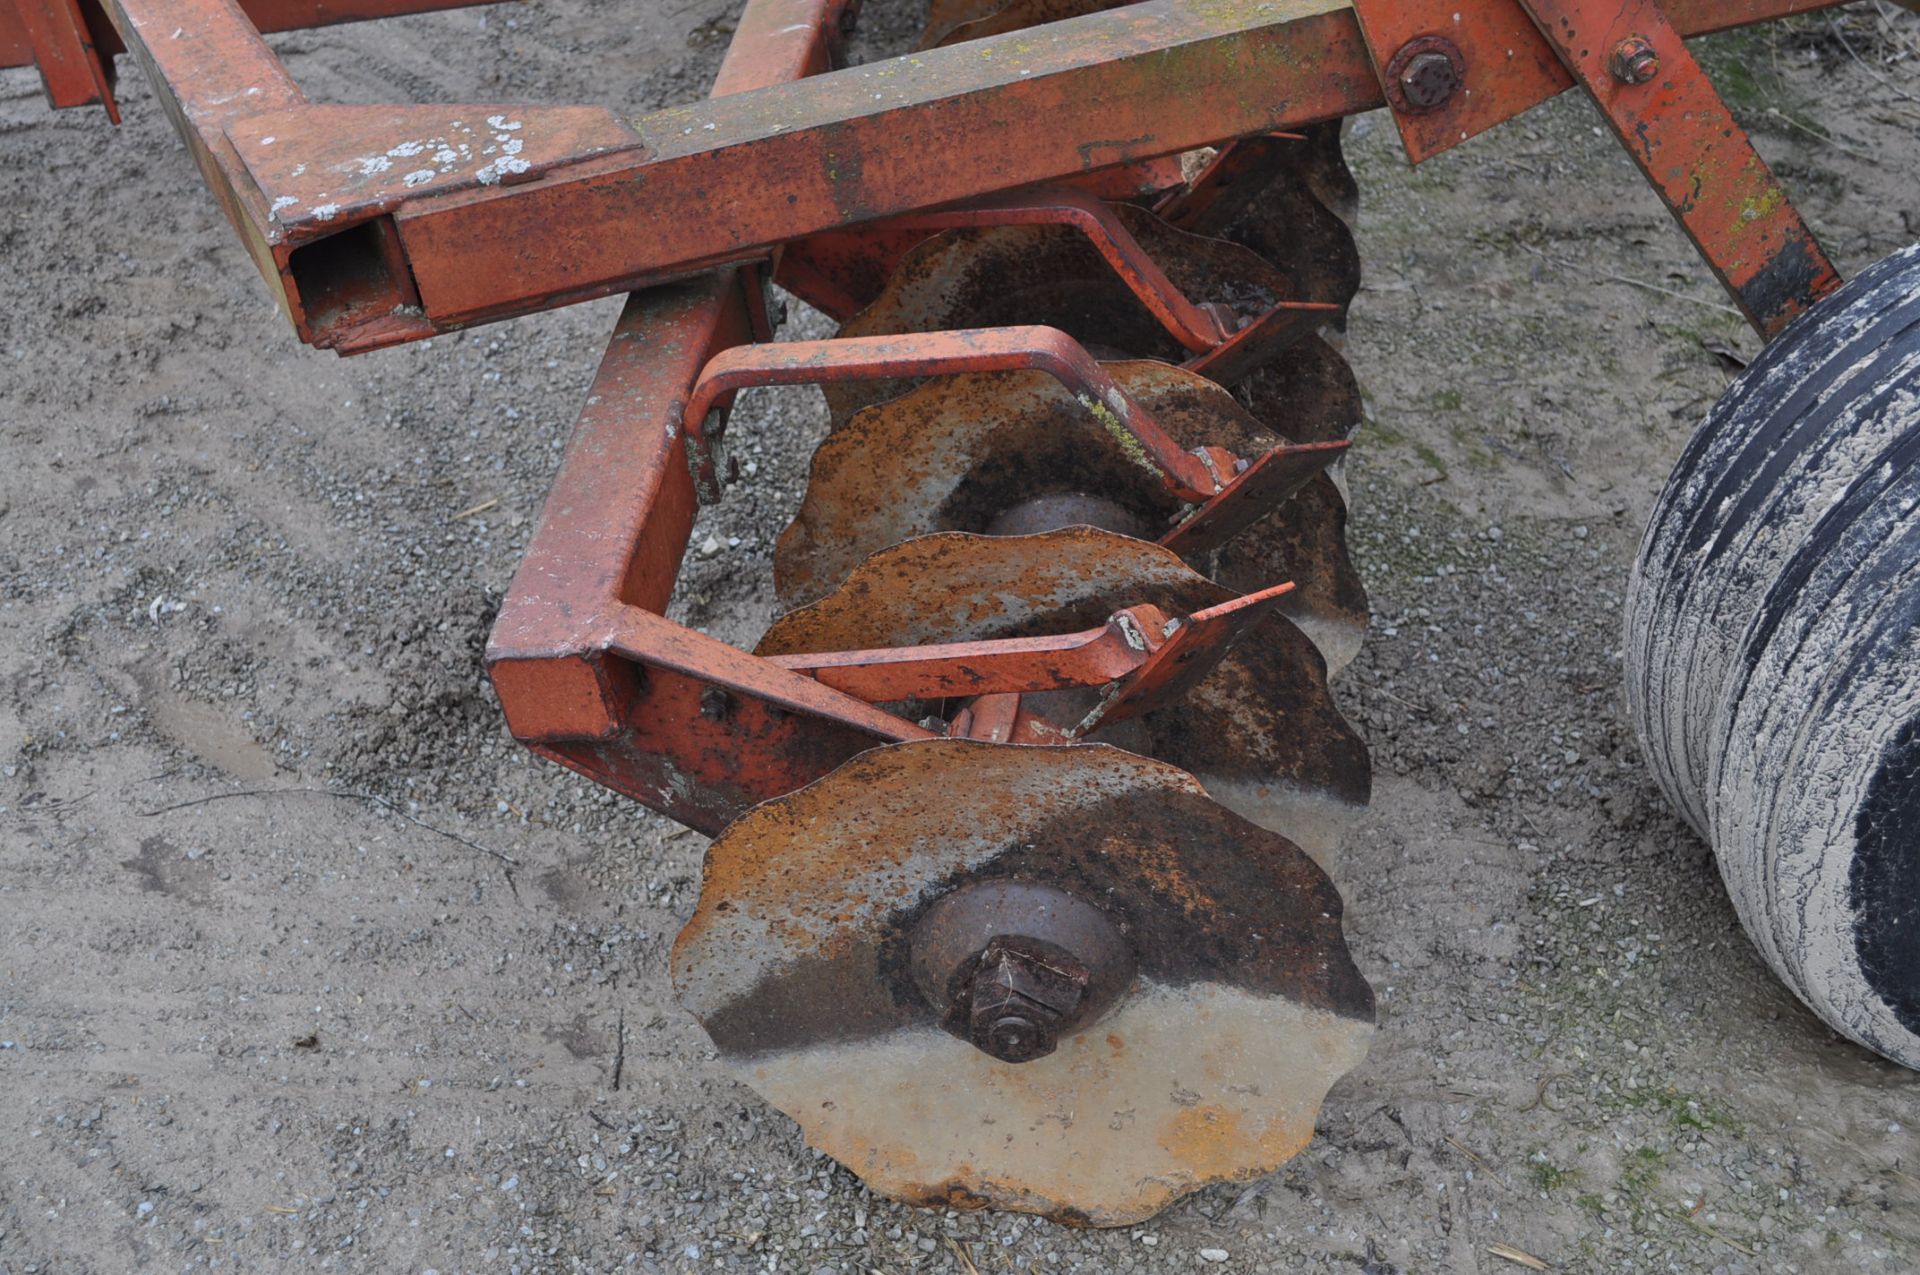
(1773,652)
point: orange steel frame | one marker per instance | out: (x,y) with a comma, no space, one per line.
(378,225)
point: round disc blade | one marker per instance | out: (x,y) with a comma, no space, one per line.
(958,453)
(1008,275)
(1242,1010)
(1261,731)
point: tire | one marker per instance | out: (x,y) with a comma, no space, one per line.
(1773,653)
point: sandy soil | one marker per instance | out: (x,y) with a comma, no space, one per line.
(287,1028)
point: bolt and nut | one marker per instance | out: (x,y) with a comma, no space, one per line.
(1634,61)
(1425,74)
(1429,80)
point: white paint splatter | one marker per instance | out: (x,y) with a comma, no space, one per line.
(504,166)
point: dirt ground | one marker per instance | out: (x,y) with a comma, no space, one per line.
(291,1029)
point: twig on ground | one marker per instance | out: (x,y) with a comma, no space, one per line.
(1846,44)
(333,792)
(1564,264)
(1518,1256)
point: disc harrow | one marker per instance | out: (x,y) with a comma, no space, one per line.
(1020,806)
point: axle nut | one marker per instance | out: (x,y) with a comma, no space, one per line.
(1634,61)
(1024,992)
(1013,968)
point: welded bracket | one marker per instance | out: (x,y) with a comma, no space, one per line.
(1451,71)
(1664,109)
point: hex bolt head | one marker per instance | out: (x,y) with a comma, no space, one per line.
(1634,61)
(714,704)
(1428,80)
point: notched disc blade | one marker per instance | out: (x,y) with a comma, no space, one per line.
(1245,1008)
(957,453)
(1008,275)
(1261,731)
(1293,203)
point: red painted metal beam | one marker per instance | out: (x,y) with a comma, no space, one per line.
(574,203)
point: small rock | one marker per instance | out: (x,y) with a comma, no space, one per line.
(709,547)
(1213,1255)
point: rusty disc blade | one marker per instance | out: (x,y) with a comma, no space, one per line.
(1289,199)
(1261,731)
(977,453)
(1311,395)
(1003,276)
(1233,1004)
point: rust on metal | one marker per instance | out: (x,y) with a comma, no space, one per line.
(1312,391)
(1122,646)
(1167,77)
(1107,70)
(965,453)
(962,453)
(1634,60)
(1243,1008)
(866,360)
(1259,728)
(988,276)
(1506,65)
